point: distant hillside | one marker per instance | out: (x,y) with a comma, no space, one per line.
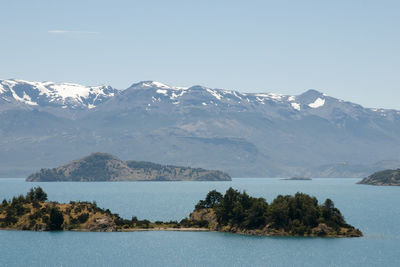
(387,177)
(45,124)
(99,167)
(160,172)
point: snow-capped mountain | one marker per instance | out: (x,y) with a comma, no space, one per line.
(64,95)
(158,97)
(244,134)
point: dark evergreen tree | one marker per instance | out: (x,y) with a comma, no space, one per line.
(56,219)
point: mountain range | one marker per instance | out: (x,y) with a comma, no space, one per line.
(43,124)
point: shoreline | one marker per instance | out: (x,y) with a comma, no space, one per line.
(171,229)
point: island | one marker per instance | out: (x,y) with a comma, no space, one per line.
(101,167)
(298,178)
(233,212)
(386,177)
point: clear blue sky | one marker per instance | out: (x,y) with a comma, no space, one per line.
(348,49)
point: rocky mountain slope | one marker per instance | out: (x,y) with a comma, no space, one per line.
(99,167)
(244,134)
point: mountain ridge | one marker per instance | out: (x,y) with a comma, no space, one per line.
(244,134)
(76,96)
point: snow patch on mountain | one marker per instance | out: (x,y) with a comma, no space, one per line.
(296,106)
(261,100)
(55,94)
(162,92)
(319,102)
(154,84)
(175,96)
(2,89)
(273,96)
(237,95)
(25,98)
(214,93)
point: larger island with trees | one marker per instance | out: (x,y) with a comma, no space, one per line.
(101,167)
(386,177)
(234,212)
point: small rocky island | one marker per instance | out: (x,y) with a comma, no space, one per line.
(100,167)
(386,177)
(298,178)
(234,212)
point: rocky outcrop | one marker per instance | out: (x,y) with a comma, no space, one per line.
(103,224)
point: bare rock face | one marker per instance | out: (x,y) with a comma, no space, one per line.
(205,215)
(103,224)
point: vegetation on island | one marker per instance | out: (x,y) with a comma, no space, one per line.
(33,212)
(106,167)
(386,177)
(236,212)
(298,215)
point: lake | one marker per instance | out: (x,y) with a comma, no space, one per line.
(373,209)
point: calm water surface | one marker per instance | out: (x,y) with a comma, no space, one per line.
(374,210)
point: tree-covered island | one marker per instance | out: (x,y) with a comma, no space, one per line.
(234,212)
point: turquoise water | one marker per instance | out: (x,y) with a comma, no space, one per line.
(372,209)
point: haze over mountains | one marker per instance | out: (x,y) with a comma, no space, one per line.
(44,124)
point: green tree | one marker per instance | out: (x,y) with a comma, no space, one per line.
(83,217)
(36,194)
(40,195)
(213,197)
(56,219)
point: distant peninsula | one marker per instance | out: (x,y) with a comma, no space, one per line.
(101,167)
(234,212)
(386,177)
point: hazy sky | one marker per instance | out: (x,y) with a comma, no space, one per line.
(348,49)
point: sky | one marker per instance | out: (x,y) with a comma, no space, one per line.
(347,49)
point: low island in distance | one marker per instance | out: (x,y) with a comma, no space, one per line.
(103,167)
(297,178)
(386,177)
(233,212)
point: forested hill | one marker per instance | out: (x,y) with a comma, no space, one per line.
(298,215)
(106,167)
